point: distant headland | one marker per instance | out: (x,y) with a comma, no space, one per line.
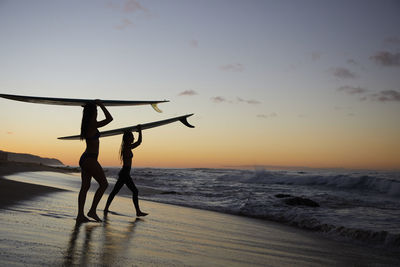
(28,158)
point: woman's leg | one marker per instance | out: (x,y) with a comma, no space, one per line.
(135,193)
(98,175)
(118,185)
(85,185)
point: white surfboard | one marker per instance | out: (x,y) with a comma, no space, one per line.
(134,128)
(80,102)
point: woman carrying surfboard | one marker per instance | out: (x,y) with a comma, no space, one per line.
(90,167)
(124,177)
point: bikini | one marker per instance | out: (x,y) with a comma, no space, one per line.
(127,169)
(124,177)
(87,155)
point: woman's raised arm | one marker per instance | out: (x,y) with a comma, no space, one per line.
(139,141)
(108,118)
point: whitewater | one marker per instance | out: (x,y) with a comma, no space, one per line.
(356,206)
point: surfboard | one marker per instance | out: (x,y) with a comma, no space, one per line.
(80,102)
(134,128)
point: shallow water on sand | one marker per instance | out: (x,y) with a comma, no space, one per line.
(42,232)
(355,206)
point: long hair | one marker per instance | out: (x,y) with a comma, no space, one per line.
(89,110)
(125,139)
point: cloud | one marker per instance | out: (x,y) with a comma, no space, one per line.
(235,67)
(188,93)
(132,6)
(343,73)
(9,133)
(126,9)
(352,62)
(125,23)
(351,90)
(266,116)
(386,96)
(386,59)
(128,6)
(382,96)
(218,99)
(392,41)
(251,101)
(194,43)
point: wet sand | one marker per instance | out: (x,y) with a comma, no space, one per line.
(11,192)
(41,231)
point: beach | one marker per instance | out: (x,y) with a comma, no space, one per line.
(12,191)
(38,229)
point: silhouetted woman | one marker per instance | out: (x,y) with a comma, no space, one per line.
(124,177)
(90,167)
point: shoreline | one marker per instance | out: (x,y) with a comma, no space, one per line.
(12,192)
(39,233)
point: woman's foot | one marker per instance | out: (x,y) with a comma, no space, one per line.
(93,215)
(141,214)
(82,219)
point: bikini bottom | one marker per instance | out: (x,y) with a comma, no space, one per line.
(87,155)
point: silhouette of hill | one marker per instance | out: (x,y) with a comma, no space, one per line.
(21,157)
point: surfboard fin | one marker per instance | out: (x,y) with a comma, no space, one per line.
(155,107)
(186,123)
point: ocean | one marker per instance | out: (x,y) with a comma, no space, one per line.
(356,206)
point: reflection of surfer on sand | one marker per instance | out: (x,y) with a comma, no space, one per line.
(124,175)
(90,167)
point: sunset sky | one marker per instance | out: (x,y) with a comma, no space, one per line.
(271,83)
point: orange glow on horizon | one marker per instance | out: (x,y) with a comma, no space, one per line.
(229,146)
(173,159)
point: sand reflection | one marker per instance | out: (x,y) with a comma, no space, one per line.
(116,241)
(80,256)
(99,243)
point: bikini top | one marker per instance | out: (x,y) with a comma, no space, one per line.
(94,137)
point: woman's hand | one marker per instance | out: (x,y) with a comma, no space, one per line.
(139,140)
(108,118)
(98,102)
